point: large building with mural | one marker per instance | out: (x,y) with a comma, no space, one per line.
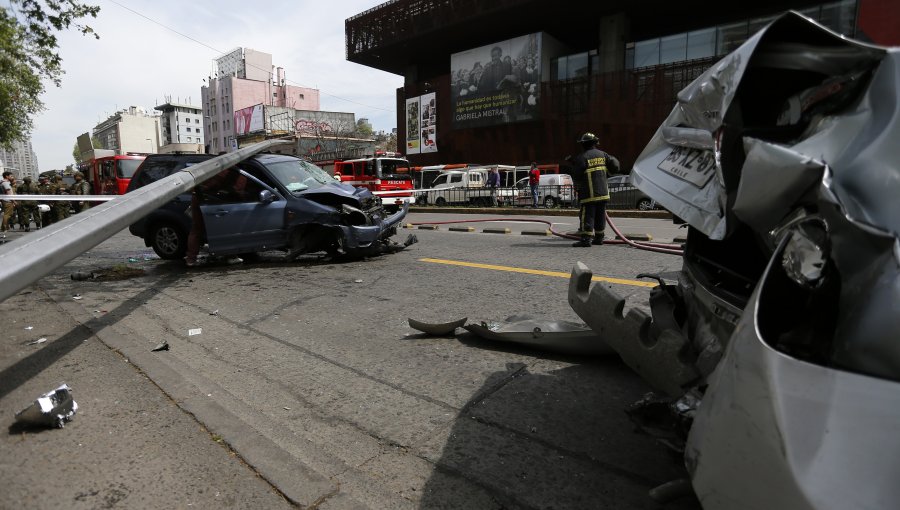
(514,81)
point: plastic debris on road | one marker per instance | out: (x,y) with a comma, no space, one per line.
(161,347)
(195,331)
(52,409)
(38,341)
(437,329)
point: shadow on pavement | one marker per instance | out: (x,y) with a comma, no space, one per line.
(558,439)
(20,372)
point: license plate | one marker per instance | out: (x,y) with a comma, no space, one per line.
(695,166)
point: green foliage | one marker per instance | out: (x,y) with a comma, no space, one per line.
(363,129)
(28,55)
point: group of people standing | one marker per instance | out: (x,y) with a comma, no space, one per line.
(25,212)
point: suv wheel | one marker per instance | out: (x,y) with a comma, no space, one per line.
(549,202)
(645,204)
(440,202)
(168,241)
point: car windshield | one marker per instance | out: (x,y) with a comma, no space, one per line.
(126,167)
(298,175)
(393,167)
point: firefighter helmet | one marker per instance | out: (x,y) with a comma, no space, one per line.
(588,137)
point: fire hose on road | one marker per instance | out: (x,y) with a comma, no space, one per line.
(671,249)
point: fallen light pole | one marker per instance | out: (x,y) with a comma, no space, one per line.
(28,258)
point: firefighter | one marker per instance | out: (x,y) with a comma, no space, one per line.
(28,210)
(589,173)
(80,187)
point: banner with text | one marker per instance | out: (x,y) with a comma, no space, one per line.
(412,126)
(428,107)
(248,120)
(496,84)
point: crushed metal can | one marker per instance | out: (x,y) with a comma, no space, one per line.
(52,409)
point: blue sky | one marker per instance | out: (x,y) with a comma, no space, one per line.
(139,62)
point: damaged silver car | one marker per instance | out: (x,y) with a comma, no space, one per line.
(784,160)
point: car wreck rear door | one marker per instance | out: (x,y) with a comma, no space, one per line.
(243,215)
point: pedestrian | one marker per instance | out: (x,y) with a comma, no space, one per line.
(534,180)
(9,206)
(28,210)
(589,171)
(46,188)
(493,182)
(80,187)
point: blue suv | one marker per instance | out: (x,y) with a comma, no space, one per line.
(267,202)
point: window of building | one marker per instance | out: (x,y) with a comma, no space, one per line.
(701,43)
(729,37)
(673,48)
(646,53)
(720,40)
(196,121)
(189,138)
(301,97)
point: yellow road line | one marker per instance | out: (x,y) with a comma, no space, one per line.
(620,281)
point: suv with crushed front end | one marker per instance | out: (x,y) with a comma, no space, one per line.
(267,202)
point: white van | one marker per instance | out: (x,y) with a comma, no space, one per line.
(465,187)
(553,190)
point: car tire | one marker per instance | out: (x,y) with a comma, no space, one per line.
(440,202)
(421,200)
(645,204)
(550,202)
(168,240)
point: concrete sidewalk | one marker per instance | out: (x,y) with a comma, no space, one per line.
(128,446)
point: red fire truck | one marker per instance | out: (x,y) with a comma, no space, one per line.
(387,174)
(110,174)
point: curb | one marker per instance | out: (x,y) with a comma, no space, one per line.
(461,229)
(527,211)
(496,230)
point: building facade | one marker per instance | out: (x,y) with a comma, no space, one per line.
(132,130)
(20,160)
(480,88)
(180,124)
(243,78)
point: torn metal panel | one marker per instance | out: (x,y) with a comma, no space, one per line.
(52,409)
(733,100)
(813,436)
(437,329)
(660,356)
(556,336)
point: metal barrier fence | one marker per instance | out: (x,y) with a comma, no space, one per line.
(550,197)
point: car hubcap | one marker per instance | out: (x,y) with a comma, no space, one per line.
(167,240)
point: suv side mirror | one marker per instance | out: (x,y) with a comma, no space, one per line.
(266,196)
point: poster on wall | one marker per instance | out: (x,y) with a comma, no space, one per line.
(248,120)
(428,125)
(412,126)
(496,84)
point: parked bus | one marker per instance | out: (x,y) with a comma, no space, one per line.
(110,175)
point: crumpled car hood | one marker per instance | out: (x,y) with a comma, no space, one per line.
(337,189)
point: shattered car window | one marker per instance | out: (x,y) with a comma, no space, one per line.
(298,175)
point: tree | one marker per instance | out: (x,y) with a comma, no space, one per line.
(363,128)
(28,55)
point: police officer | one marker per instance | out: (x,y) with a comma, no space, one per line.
(589,173)
(80,187)
(46,188)
(28,208)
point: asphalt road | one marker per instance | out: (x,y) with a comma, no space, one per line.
(310,373)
